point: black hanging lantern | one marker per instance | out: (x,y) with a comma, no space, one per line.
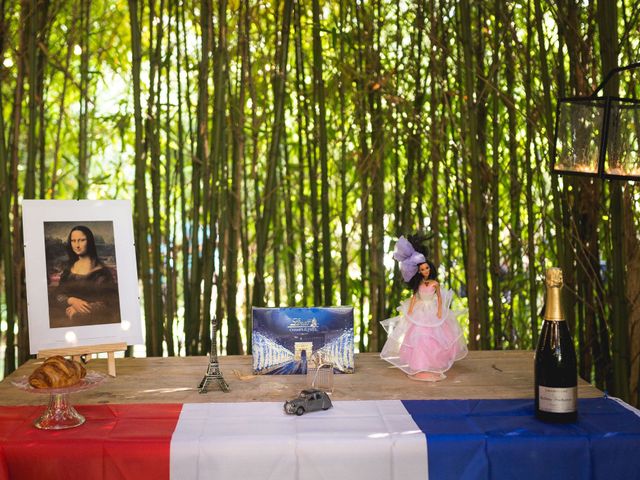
(598,136)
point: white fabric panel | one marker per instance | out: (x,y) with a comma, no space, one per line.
(365,440)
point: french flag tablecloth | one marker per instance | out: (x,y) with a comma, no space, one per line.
(403,440)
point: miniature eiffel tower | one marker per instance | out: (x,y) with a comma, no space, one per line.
(213,370)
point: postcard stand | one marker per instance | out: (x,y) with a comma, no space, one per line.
(77,352)
(321,377)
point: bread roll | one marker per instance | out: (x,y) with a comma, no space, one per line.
(57,372)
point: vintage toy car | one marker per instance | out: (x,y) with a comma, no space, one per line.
(308,401)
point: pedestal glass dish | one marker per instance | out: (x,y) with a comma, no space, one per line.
(59,413)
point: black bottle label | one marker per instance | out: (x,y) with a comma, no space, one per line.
(557,400)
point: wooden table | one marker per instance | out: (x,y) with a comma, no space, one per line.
(482,374)
(151,421)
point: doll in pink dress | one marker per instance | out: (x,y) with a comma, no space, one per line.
(425,338)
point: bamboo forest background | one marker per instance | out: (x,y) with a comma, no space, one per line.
(273,152)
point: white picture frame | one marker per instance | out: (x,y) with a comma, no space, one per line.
(49,263)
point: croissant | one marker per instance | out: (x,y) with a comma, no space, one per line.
(57,372)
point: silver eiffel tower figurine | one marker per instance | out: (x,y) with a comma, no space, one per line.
(213,370)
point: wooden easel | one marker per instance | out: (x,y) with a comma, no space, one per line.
(77,352)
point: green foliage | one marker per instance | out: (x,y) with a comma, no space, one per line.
(393,75)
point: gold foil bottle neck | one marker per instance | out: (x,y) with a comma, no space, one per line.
(553,309)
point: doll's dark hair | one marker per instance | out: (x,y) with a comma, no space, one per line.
(418,241)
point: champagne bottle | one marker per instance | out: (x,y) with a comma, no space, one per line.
(556,378)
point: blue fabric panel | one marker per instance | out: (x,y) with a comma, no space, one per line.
(501,439)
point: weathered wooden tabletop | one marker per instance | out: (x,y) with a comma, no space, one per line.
(482,374)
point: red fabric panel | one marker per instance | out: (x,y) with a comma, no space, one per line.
(116,442)
(4,469)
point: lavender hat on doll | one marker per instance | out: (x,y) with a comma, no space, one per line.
(409,259)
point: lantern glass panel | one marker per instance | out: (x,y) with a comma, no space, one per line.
(623,142)
(578,138)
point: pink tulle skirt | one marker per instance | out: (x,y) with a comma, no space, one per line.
(422,341)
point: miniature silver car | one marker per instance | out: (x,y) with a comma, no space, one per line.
(308,401)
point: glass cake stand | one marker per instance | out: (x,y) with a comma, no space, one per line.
(59,413)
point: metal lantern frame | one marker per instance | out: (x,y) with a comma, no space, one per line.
(598,139)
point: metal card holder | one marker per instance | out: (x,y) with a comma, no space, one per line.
(321,377)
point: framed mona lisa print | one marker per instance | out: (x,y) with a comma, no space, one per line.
(81,278)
